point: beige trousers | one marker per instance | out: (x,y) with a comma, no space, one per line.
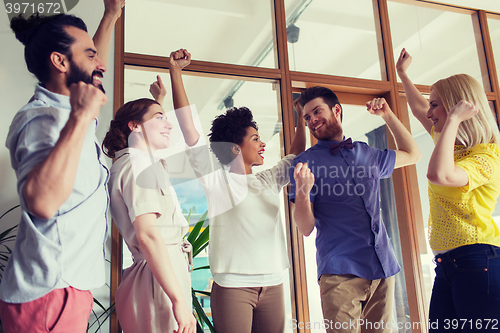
(352,304)
(248,310)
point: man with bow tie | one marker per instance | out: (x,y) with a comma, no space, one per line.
(335,188)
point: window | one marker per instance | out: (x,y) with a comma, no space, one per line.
(335,37)
(234,32)
(494,27)
(429,34)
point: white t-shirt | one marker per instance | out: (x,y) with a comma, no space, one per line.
(247,237)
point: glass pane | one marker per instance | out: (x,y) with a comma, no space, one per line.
(235,32)
(442,43)
(336,37)
(426,146)
(208,95)
(494,27)
(360,128)
(495,113)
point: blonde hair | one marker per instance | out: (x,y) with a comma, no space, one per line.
(482,128)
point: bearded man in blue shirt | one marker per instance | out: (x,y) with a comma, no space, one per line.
(61,177)
(335,188)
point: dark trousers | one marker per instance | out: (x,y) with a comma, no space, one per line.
(466,292)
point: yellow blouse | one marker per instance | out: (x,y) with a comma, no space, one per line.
(463,215)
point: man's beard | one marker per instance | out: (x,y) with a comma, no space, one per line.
(331,132)
(78,75)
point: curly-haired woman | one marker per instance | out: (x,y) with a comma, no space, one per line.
(248,254)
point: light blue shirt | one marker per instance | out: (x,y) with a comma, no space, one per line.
(67,249)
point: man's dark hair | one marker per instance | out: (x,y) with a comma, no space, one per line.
(328,96)
(229,129)
(42,35)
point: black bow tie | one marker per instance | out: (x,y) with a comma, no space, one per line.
(335,147)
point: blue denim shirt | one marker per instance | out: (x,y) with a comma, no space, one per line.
(351,238)
(67,249)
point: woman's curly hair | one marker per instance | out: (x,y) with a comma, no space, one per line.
(229,129)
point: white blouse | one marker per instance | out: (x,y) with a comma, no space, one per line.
(247,237)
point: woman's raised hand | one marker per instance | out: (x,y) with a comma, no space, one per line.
(463,111)
(158,90)
(378,107)
(179,59)
(403,62)
(298,108)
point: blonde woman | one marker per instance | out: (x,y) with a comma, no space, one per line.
(464,184)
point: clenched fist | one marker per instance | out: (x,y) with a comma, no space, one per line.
(86,101)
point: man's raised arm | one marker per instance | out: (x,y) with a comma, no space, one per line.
(102,37)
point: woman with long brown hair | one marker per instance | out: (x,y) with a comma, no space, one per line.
(155,292)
